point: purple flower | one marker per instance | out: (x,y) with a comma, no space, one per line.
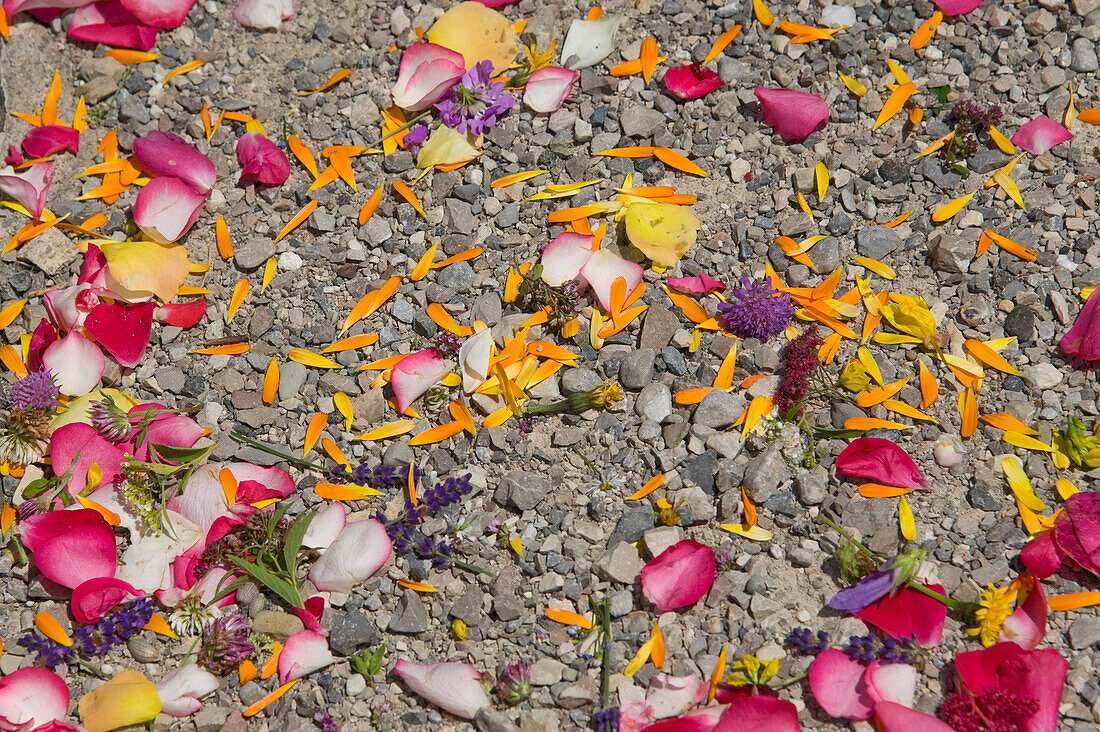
(758,311)
(325,721)
(225,644)
(514,684)
(110,421)
(868,590)
(416,137)
(36,392)
(473,104)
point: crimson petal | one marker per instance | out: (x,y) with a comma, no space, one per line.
(691,81)
(165,154)
(122,330)
(678,576)
(1082,340)
(111,24)
(908,613)
(50,140)
(91,599)
(261,160)
(1077,531)
(880,460)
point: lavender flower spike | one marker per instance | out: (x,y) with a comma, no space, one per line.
(756,310)
(474,103)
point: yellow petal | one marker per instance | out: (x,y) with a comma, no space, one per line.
(882,270)
(762,13)
(1001,141)
(1009,186)
(269,273)
(143,267)
(1020,485)
(753,533)
(661,231)
(639,659)
(187,67)
(905,518)
(386,431)
(511,180)
(1026,442)
(895,102)
(758,407)
(239,294)
(949,209)
(127,699)
(854,86)
(343,403)
(821,174)
(309,358)
(447,146)
(476,32)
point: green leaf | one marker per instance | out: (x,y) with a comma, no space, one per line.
(175,454)
(293,541)
(840,434)
(36,488)
(279,585)
(941,92)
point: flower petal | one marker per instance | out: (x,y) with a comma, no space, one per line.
(111,24)
(1040,135)
(868,590)
(793,114)
(127,699)
(1027,625)
(691,81)
(163,154)
(564,256)
(678,576)
(589,41)
(478,33)
(29,187)
(454,687)
(603,268)
(181,689)
(1077,530)
(957,7)
(893,717)
(548,87)
(122,330)
(12,7)
(701,284)
(892,682)
(881,461)
(664,232)
(263,14)
(92,598)
(1041,555)
(1082,340)
(671,696)
(326,526)
(181,315)
(159,13)
(262,160)
(427,71)
(71,547)
(50,140)
(67,440)
(76,364)
(166,208)
(415,374)
(144,268)
(31,697)
(838,685)
(907,613)
(473,359)
(360,550)
(759,713)
(303,653)
(1038,674)
(447,147)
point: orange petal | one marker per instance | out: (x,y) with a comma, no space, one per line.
(1073,601)
(693,396)
(568,617)
(160,626)
(405,192)
(629,152)
(370,206)
(464,255)
(313,431)
(272,663)
(678,161)
(968,408)
(895,102)
(269,699)
(721,42)
(10,358)
(48,626)
(627,68)
(125,56)
(871,423)
(10,313)
(648,57)
(305,157)
(332,81)
(690,307)
(225,246)
(657,655)
(1011,247)
(877,490)
(872,397)
(239,294)
(437,434)
(298,219)
(271,382)
(1008,423)
(720,667)
(750,508)
(352,342)
(650,485)
(7,518)
(189,66)
(233,349)
(929,388)
(424,265)
(927,29)
(511,180)
(49,106)
(246,672)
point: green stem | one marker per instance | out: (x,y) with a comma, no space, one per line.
(278,453)
(588,463)
(790,681)
(400,129)
(469,567)
(194,644)
(605,657)
(836,527)
(92,669)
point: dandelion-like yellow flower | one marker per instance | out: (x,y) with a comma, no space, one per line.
(751,671)
(996,606)
(537,59)
(608,395)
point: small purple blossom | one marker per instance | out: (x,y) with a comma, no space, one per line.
(325,721)
(756,310)
(868,590)
(416,137)
(225,644)
(514,684)
(36,392)
(474,103)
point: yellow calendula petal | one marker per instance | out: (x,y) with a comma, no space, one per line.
(343,404)
(1065,488)
(1008,423)
(949,209)
(758,407)
(239,294)
(309,358)
(989,357)
(882,270)
(905,519)
(1027,442)
(424,265)
(895,102)
(269,273)
(1020,485)
(821,176)
(899,407)
(147,267)
(762,13)
(1008,185)
(516,546)
(752,533)
(1003,143)
(854,86)
(802,204)
(870,364)
(511,180)
(126,700)
(186,68)
(271,382)
(639,659)
(476,32)
(899,73)
(386,431)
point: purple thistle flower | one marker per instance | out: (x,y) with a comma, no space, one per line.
(474,103)
(868,590)
(416,137)
(35,392)
(759,311)
(110,421)
(225,644)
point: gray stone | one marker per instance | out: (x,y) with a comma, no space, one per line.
(460,216)
(1084,58)
(654,402)
(507,608)
(546,671)
(491,720)
(701,471)
(827,255)
(377,230)
(467,607)
(697,507)
(840,412)
(718,410)
(583,693)
(458,277)
(728,445)
(1084,632)
(621,564)
(764,474)
(170,378)
(867,515)
(353,632)
(210,718)
(632,525)
(950,253)
(521,489)
(1044,375)
(810,486)
(840,223)
(292,376)
(1084,7)
(1021,323)
(659,326)
(51,251)
(575,381)
(877,242)
(253,253)
(639,121)
(637,368)
(277,624)
(410,618)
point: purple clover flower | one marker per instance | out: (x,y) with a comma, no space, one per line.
(416,137)
(35,392)
(758,311)
(225,644)
(474,103)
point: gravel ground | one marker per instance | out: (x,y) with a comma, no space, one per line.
(1022,56)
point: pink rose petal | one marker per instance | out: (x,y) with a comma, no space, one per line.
(76,364)
(880,460)
(671,696)
(1035,674)
(1040,135)
(28,187)
(906,613)
(326,526)
(691,81)
(564,256)
(793,114)
(181,689)
(893,717)
(1027,625)
(548,87)
(704,719)
(70,547)
(263,14)
(678,576)
(122,330)
(68,306)
(262,160)
(360,550)
(310,615)
(957,7)
(415,374)
(94,597)
(603,268)
(31,697)
(1041,555)
(166,208)
(112,25)
(162,154)
(1082,340)
(50,140)
(1077,530)
(891,682)
(43,336)
(13,157)
(203,502)
(759,713)
(427,71)
(75,437)
(13,7)
(303,653)
(701,284)
(181,315)
(454,687)
(159,13)
(838,685)
(179,430)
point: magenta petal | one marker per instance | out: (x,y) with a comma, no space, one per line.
(1037,674)
(548,87)
(415,374)
(111,24)
(1077,530)
(76,364)
(880,460)
(172,430)
(263,14)
(50,140)
(1041,555)
(759,713)
(891,682)
(701,284)
(1082,340)
(310,615)
(957,7)
(181,315)
(13,7)
(678,576)
(454,687)
(564,256)
(704,719)
(122,330)
(159,13)
(32,697)
(67,440)
(893,717)
(360,550)
(496,3)
(1040,135)
(262,160)
(427,71)
(907,613)
(603,268)
(71,547)
(691,81)
(164,154)
(166,208)
(303,653)
(43,335)
(792,113)
(91,599)
(13,157)
(94,269)
(1027,625)
(838,685)
(181,689)
(29,187)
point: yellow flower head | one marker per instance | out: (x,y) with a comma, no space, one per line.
(608,395)
(911,316)
(854,378)
(996,606)
(751,671)
(537,59)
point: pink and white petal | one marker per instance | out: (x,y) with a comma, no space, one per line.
(170,430)
(13,7)
(704,719)
(303,653)
(793,114)
(603,268)
(588,42)
(70,547)
(263,14)
(957,7)
(1040,135)
(310,615)
(147,562)
(454,687)
(76,364)
(893,717)
(473,359)
(159,13)
(121,330)
(701,284)
(759,713)
(111,24)
(78,437)
(50,140)
(31,697)
(360,550)
(29,187)
(262,160)
(325,526)
(548,88)
(63,306)
(892,682)
(181,689)
(1027,625)
(671,696)
(678,576)
(563,258)
(204,500)
(427,71)
(94,269)
(182,314)
(166,208)
(415,374)
(272,478)
(92,598)
(838,685)
(163,154)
